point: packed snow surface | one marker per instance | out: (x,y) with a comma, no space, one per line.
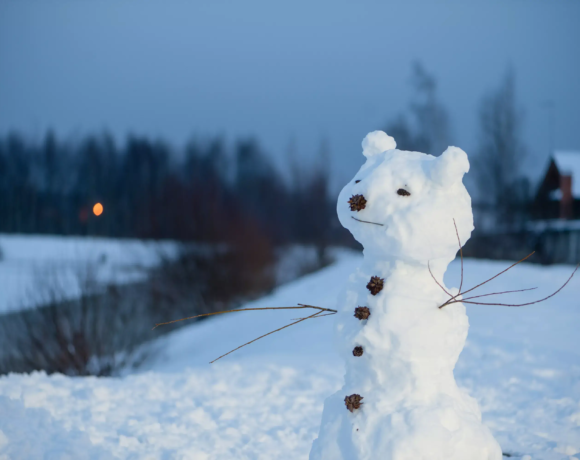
(265,401)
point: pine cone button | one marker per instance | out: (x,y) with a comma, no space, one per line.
(375,285)
(353,402)
(357,351)
(362,313)
(357,202)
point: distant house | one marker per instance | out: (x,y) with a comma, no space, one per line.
(558,196)
(553,233)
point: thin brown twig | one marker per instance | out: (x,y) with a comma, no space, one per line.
(301,306)
(265,335)
(453,299)
(523,304)
(321,316)
(435,279)
(497,293)
(318,308)
(500,273)
(460,254)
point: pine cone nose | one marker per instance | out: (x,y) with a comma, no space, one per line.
(357,203)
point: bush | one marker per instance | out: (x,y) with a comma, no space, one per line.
(99,332)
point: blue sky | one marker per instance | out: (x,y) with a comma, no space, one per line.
(302,70)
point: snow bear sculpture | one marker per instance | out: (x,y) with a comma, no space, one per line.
(400,400)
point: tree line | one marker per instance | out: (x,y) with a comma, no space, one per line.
(230,208)
(211,192)
(207,192)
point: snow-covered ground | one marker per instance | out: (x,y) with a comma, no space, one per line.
(29,260)
(265,401)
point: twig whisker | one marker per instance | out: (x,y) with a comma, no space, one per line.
(367,222)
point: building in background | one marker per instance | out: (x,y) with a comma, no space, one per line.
(551,227)
(558,196)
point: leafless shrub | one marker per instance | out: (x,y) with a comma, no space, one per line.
(86,329)
(212,277)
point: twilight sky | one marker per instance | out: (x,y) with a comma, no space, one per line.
(303,70)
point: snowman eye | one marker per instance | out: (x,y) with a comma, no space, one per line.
(403,192)
(356,181)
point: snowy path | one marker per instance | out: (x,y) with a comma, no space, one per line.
(265,401)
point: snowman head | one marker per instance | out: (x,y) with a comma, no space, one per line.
(403,204)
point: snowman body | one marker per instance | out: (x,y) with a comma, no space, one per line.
(400,348)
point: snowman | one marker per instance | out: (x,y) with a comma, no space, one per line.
(400,400)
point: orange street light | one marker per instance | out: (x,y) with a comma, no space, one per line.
(98,209)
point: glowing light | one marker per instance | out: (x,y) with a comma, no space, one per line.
(98,209)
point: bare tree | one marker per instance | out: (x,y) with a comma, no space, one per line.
(312,208)
(429,128)
(498,166)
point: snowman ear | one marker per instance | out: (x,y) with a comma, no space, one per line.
(377,142)
(449,168)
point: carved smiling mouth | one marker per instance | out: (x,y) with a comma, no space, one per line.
(367,222)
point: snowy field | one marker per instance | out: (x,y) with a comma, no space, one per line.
(265,401)
(29,260)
